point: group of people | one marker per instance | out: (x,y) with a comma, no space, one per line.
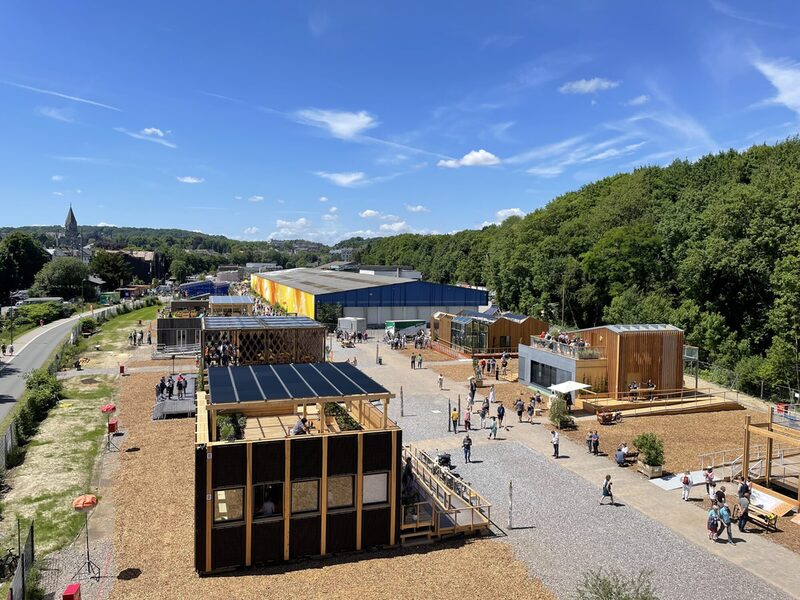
(7,350)
(168,386)
(563,338)
(720,514)
(224,354)
(635,386)
(137,338)
(620,455)
(351,336)
(416,361)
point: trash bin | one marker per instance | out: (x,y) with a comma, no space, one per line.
(73,592)
(122,369)
(380,360)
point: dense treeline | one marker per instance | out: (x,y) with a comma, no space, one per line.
(711,246)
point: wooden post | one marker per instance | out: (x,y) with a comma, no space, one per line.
(746,453)
(213,437)
(323,508)
(287,496)
(248,508)
(510,505)
(393,491)
(385,413)
(402,412)
(359,486)
(209,508)
(321,412)
(768,465)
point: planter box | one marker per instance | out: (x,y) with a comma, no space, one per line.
(650,471)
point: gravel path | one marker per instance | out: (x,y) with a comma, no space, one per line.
(561,531)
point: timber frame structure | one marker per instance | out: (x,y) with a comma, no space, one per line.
(779,428)
(269,496)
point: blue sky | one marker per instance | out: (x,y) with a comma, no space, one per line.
(330,119)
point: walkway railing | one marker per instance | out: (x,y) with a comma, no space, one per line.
(455,350)
(574,352)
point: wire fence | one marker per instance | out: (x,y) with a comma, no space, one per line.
(730,379)
(17,591)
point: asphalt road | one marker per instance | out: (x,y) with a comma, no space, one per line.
(30,352)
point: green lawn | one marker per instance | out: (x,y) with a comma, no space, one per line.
(5,336)
(115,332)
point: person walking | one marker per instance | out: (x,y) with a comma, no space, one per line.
(419,361)
(595,443)
(520,409)
(589,441)
(744,505)
(467,419)
(708,477)
(725,517)
(554,439)
(686,481)
(501,413)
(607,493)
(531,408)
(720,495)
(413,361)
(454,419)
(440,381)
(493,428)
(3,347)
(712,523)
(467,446)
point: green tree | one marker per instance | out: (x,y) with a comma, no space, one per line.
(61,277)
(111,267)
(21,257)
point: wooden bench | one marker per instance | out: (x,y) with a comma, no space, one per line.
(631,457)
(759,516)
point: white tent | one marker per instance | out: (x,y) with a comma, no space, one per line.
(568,386)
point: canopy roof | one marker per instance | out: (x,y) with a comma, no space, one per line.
(568,386)
(297,382)
(260,322)
(230,300)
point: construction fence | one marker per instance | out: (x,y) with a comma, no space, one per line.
(18,591)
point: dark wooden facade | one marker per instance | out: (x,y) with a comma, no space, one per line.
(270,345)
(178,331)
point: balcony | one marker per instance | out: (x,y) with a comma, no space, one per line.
(568,351)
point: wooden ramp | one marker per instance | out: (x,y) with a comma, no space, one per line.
(683,408)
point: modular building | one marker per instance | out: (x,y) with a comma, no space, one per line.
(230,306)
(490,332)
(263,495)
(375,298)
(609,358)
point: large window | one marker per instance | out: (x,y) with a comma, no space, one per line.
(340,491)
(305,496)
(228,505)
(545,375)
(267,500)
(376,488)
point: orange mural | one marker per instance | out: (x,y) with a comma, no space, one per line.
(291,299)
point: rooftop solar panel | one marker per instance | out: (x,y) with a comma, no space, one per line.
(317,380)
(366,383)
(219,380)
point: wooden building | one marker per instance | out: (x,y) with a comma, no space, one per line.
(609,359)
(267,340)
(263,495)
(474,333)
(230,306)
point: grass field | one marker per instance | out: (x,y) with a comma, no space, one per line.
(114,333)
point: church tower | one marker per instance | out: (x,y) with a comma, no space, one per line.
(71,238)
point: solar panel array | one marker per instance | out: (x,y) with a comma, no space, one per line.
(308,381)
(230,300)
(231,323)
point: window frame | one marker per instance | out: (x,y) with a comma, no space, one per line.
(215,521)
(364,476)
(292,511)
(352,504)
(276,515)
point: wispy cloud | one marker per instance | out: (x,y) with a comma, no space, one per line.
(500,41)
(86,159)
(349,179)
(588,86)
(58,193)
(153,131)
(319,22)
(251,230)
(375,214)
(784,75)
(475,158)
(340,124)
(638,100)
(190,179)
(57,114)
(417,208)
(729,11)
(323,198)
(546,151)
(148,137)
(57,178)
(255,198)
(396,227)
(60,95)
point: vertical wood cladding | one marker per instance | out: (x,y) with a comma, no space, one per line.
(377,451)
(342,454)
(229,466)
(268,461)
(200,508)
(341,532)
(375,529)
(656,355)
(306,457)
(304,536)
(227,547)
(267,543)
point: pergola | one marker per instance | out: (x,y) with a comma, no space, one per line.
(780,428)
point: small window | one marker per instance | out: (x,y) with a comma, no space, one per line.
(376,488)
(505,341)
(228,505)
(340,491)
(305,496)
(267,500)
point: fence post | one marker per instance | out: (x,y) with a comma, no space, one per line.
(449,410)
(402,413)
(510,505)
(459,409)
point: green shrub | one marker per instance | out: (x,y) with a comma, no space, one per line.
(651,447)
(88,324)
(344,419)
(597,585)
(15,457)
(558,414)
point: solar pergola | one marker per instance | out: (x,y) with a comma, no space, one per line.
(230,305)
(286,389)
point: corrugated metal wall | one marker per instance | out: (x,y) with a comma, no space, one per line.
(416,293)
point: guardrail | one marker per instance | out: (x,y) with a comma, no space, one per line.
(574,352)
(455,350)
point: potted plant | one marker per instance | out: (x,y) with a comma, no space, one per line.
(558,414)
(651,455)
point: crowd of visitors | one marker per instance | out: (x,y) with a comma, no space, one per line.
(224,354)
(169,386)
(138,337)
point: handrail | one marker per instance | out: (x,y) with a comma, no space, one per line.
(511,349)
(575,352)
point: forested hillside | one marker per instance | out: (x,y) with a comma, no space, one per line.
(711,246)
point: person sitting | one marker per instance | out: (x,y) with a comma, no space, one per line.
(300,427)
(268,508)
(619,457)
(624,448)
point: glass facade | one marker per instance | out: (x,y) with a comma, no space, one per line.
(470,334)
(545,375)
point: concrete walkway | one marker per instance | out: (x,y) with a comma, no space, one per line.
(426,423)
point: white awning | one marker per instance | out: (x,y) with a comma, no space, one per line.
(568,386)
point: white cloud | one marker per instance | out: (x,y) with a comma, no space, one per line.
(374,214)
(251,230)
(104,224)
(731,12)
(146,137)
(152,131)
(476,158)
(57,178)
(332,209)
(638,100)
(396,227)
(237,197)
(323,198)
(546,151)
(57,114)
(190,179)
(58,193)
(417,208)
(60,95)
(288,229)
(614,152)
(348,179)
(509,212)
(588,86)
(255,198)
(329,217)
(340,124)
(784,75)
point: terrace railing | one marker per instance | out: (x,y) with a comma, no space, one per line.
(573,352)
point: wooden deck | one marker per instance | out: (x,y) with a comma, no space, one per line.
(662,407)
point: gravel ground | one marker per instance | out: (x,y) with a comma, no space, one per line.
(563,531)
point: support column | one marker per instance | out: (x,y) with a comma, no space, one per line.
(746,453)
(385,413)
(209,508)
(248,509)
(768,466)
(359,485)
(287,496)
(323,500)
(393,491)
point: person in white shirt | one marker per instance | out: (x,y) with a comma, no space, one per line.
(686,481)
(554,440)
